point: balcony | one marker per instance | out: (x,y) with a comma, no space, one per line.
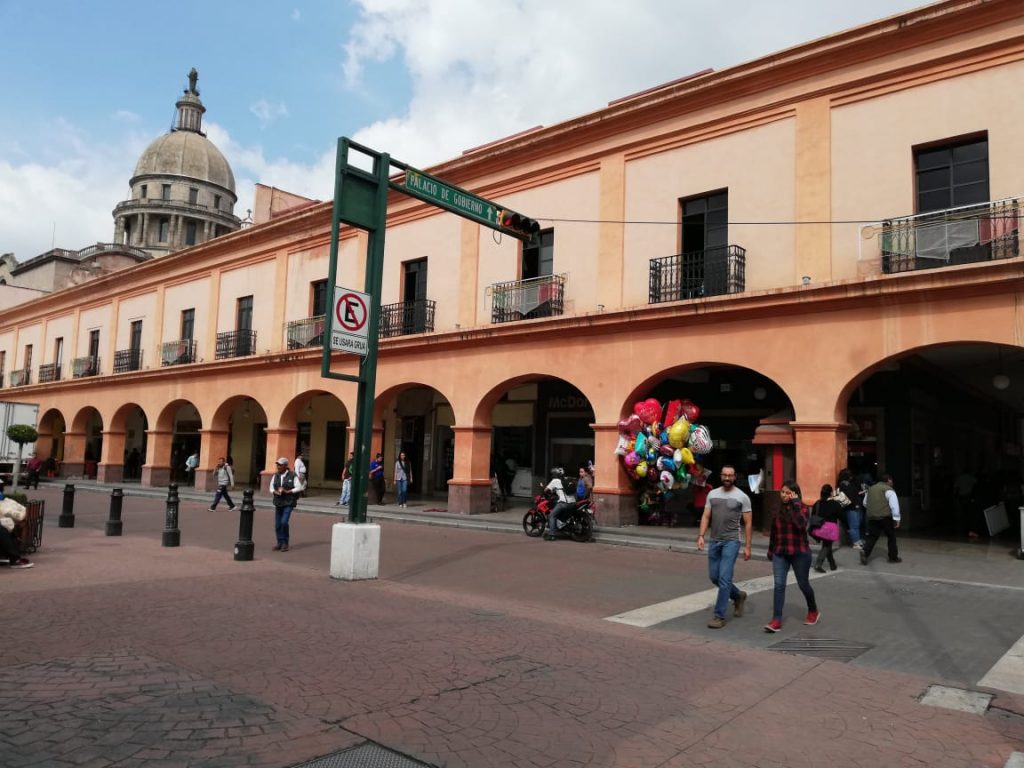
(235,344)
(126,360)
(49,372)
(964,235)
(407,317)
(85,366)
(528,299)
(308,332)
(698,274)
(21,377)
(181,352)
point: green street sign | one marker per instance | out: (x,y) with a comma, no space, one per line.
(454,199)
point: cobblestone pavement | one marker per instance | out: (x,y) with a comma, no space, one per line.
(473,649)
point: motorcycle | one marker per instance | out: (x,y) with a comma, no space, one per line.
(577,522)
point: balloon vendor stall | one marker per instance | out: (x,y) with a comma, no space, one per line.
(660,449)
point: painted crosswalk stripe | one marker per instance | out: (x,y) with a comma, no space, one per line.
(678,607)
(1008,673)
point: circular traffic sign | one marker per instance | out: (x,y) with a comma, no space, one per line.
(351,312)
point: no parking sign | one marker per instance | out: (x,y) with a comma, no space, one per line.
(349,331)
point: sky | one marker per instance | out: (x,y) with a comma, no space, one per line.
(90,84)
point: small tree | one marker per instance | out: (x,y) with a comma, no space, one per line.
(21,434)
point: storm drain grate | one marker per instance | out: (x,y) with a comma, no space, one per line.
(363,756)
(830,648)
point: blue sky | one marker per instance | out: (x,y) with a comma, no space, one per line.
(90,84)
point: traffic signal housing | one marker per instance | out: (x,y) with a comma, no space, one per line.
(518,225)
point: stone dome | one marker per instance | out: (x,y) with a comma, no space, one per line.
(185,153)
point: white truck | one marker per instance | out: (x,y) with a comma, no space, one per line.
(15,413)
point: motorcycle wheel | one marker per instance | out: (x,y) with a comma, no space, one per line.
(581,529)
(534,523)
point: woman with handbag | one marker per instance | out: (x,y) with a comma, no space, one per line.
(824,526)
(788,548)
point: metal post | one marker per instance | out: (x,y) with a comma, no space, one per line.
(244,547)
(67,511)
(114,525)
(172,536)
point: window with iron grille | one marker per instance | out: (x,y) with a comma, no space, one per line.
(318,295)
(539,256)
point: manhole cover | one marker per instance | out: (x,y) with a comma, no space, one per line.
(822,647)
(364,756)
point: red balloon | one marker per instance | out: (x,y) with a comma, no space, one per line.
(672,412)
(690,411)
(648,410)
(630,426)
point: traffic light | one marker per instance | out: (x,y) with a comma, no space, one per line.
(517,224)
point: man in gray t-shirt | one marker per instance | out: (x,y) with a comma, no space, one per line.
(725,509)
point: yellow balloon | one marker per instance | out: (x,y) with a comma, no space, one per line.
(678,432)
(687,456)
(641,469)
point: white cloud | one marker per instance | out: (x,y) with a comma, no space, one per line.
(481,71)
(126,116)
(267,112)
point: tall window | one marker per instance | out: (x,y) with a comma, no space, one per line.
(193,195)
(952,175)
(243,314)
(318,295)
(414,288)
(142,192)
(539,257)
(165,230)
(94,346)
(705,241)
(188,324)
(190,233)
(58,351)
(216,202)
(165,191)
(135,336)
(3,365)
(28,356)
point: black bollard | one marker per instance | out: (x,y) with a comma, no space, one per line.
(67,511)
(245,547)
(114,524)
(172,536)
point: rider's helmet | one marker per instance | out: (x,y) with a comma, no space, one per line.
(557,472)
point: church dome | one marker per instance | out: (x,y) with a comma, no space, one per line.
(185,153)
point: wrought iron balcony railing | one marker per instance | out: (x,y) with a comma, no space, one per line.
(528,299)
(963,235)
(127,360)
(308,332)
(21,377)
(85,366)
(49,372)
(697,274)
(235,344)
(407,317)
(181,352)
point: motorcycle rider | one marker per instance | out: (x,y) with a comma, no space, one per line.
(556,487)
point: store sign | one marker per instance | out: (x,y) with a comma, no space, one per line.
(568,403)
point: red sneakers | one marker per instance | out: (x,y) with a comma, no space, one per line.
(773,626)
(812,618)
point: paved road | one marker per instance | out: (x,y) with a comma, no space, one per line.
(478,649)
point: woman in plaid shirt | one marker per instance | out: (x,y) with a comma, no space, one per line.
(787,548)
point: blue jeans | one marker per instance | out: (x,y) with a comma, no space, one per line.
(853,522)
(801,564)
(281,517)
(222,493)
(346,491)
(553,516)
(721,562)
(403,490)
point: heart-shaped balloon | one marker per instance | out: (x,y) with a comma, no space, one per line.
(690,410)
(630,426)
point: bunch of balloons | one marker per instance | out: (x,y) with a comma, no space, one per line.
(659,447)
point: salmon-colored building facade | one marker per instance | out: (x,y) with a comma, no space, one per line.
(819,247)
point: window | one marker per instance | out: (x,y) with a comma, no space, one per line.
(3,365)
(193,195)
(952,175)
(705,245)
(318,291)
(188,323)
(190,233)
(142,192)
(539,258)
(216,202)
(28,356)
(165,230)
(135,336)
(243,314)
(165,191)
(94,343)
(58,351)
